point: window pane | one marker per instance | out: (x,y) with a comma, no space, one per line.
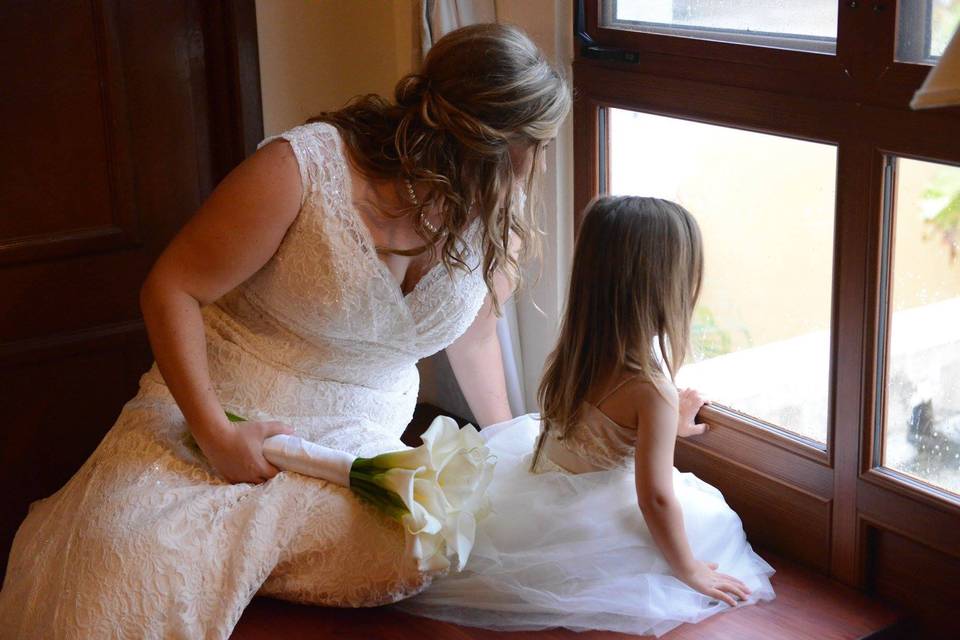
(765,205)
(785,24)
(922,435)
(925,29)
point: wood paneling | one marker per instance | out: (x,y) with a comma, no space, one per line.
(586,159)
(118,118)
(850,354)
(903,570)
(61,397)
(897,508)
(67,181)
(776,514)
(742,447)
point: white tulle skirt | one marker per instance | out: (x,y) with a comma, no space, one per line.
(563,550)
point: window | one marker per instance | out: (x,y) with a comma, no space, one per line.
(921,423)
(925,29)
(810,26)
(828,333)
(765,205)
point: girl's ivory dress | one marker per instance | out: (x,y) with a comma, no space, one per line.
(567,546)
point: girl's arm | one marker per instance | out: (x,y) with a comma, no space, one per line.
(232,235)
(477,363)
(657,419)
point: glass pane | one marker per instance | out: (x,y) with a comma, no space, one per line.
(785,24)
(765,205)
(925,29)
(922,434)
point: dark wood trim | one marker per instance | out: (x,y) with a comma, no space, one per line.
(887,81)
(247,53)
(755,110)
(719,416)
(70,343)
(914,489)
(63,244)
(920,577)
(233,73)
(116,124)
(777,514)
(586,156)
(904,515)
(745,448)
(124,231)
(850,355)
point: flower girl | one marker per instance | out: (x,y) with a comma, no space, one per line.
(591,525)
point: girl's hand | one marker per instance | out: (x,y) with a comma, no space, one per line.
(705,579)
(690,403)
(237,454)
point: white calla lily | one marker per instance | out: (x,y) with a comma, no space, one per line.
(437,490)
(403,482)
(459,532)
(430,552)
(404,459)
(442,439)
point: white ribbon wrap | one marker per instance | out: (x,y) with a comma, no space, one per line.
(291,453)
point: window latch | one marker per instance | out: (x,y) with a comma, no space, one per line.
(589,48)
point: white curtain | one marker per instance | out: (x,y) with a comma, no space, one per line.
(437,383)
(439,17)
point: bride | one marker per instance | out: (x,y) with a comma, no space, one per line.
(301,296)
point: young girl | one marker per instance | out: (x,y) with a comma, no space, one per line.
(605,533)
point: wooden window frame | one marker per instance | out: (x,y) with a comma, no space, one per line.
(834,508)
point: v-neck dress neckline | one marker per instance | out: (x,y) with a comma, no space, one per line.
(370,248)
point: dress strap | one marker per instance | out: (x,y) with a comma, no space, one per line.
(615,389)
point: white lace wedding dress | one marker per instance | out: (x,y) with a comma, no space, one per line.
(146,541)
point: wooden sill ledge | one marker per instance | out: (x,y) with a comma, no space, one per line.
(808,606)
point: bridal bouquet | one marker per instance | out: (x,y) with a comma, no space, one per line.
(437,490)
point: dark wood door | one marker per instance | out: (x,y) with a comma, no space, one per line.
(117,118)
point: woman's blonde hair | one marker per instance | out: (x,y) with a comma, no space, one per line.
(483,90)
(637,271)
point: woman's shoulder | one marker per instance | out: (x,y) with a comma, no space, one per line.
(314,145)
(651,399)
(310,138)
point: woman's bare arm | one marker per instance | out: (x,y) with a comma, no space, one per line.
(232,235)
(477,363)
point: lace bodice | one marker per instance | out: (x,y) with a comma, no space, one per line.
(322,335)
(327,285)
(595,443)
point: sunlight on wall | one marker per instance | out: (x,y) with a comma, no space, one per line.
(315,56)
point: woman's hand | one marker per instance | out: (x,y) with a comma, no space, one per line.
(690,403)
(237,453)
(705,578)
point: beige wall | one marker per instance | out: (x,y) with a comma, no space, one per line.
(317,54)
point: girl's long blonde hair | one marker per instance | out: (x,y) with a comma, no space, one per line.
(637,272)
(482,90)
